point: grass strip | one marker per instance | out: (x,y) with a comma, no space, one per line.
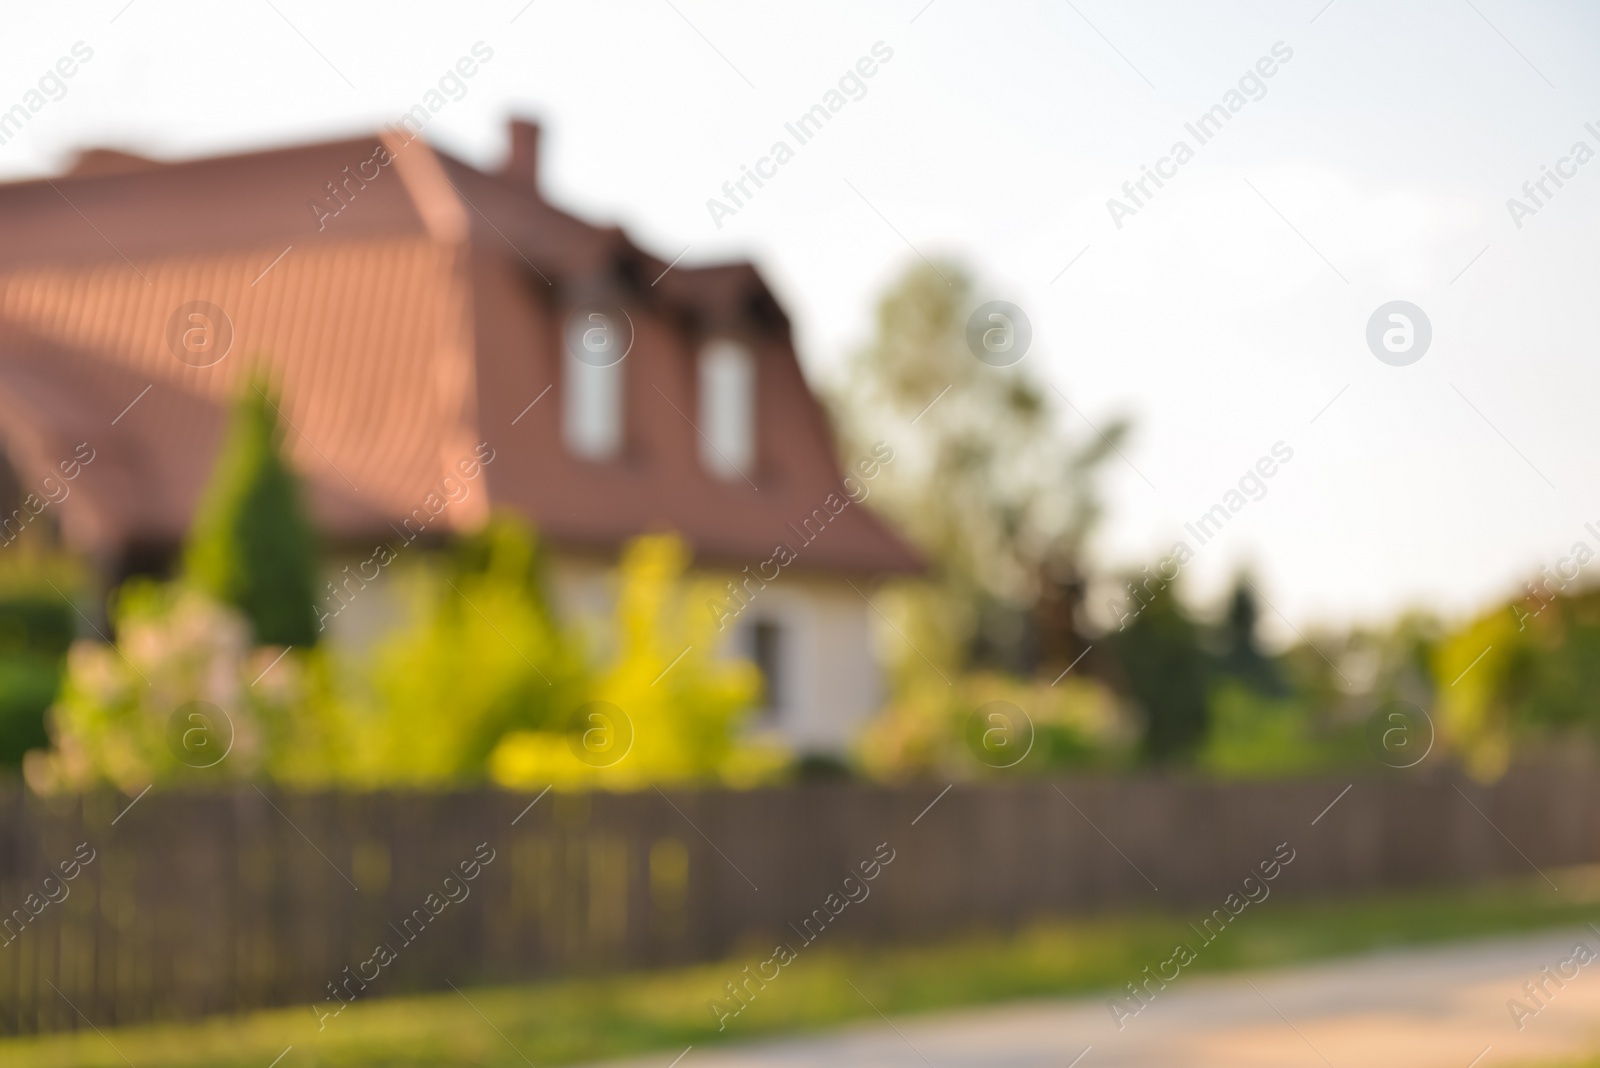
(581,1019)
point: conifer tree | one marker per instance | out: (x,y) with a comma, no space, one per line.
(251,545)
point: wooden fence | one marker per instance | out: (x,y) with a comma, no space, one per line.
(193,904)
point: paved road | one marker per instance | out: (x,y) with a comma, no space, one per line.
(1439,1007)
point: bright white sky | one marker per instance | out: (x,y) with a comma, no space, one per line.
(1390,141)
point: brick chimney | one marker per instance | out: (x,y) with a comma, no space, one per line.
(522,165)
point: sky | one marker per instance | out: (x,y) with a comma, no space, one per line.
(1224,315)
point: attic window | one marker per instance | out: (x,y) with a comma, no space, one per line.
(592,408)
(727,409)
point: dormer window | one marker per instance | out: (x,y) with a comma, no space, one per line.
(593,409)
(592,391)
(727,409)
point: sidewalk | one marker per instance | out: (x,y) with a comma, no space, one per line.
(1444,1007)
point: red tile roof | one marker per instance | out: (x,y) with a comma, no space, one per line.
(419,320)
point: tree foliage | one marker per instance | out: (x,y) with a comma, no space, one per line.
(1239,653)
(986,481)
(1520,674)
(251,545)
(1167,673)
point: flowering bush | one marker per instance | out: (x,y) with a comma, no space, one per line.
(182,686)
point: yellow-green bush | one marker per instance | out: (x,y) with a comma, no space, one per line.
(671,702)
(480,680)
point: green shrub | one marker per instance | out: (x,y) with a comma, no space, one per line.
(37,626)
(251,545)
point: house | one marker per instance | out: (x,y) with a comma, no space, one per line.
(419,316)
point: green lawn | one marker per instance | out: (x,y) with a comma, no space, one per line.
(581,1019)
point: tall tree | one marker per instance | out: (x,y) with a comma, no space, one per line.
(251,545)
(985,479)
(1240,656)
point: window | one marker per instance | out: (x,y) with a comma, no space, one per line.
(727,409)
(765,651)
(592,417)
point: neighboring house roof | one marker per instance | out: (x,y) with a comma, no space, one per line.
(417,321)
